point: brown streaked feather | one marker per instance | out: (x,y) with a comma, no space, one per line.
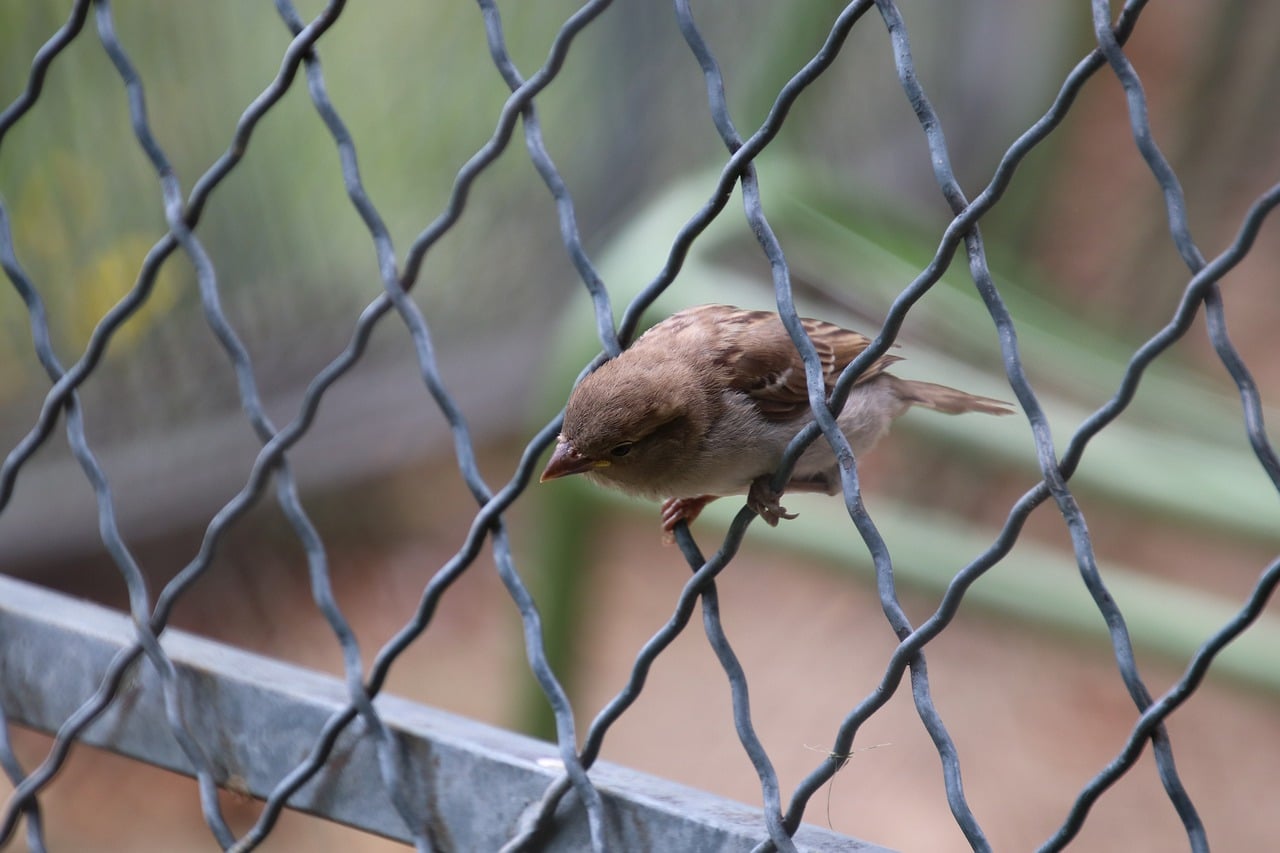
(758,357)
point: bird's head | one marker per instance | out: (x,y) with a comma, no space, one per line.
(630,426)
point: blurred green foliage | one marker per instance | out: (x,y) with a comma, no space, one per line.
(415,86)
(626,123)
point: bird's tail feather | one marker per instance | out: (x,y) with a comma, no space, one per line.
(950,401)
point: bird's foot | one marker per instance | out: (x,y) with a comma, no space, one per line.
(762,499)
(676,510)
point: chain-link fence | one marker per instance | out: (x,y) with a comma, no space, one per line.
(347,751)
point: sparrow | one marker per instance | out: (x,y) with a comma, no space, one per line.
(704,404)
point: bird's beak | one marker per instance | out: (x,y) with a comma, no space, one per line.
(566,460)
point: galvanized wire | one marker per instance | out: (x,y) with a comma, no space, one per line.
(539,823)
(705,572)
(1058,488)
(29,808)
(489,520)
(1045,451)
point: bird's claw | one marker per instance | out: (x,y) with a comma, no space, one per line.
(676,510)
(763,499)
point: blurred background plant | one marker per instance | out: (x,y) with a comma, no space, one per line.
(1181,514)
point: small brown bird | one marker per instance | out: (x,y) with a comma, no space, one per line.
(704,404)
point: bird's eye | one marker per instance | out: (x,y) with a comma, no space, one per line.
(622,449)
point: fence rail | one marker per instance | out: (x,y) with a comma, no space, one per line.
(255,715)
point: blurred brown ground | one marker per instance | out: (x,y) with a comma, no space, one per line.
(1034,716)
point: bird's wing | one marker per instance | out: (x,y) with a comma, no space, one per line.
(758,357)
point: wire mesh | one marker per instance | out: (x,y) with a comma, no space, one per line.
(488,528)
